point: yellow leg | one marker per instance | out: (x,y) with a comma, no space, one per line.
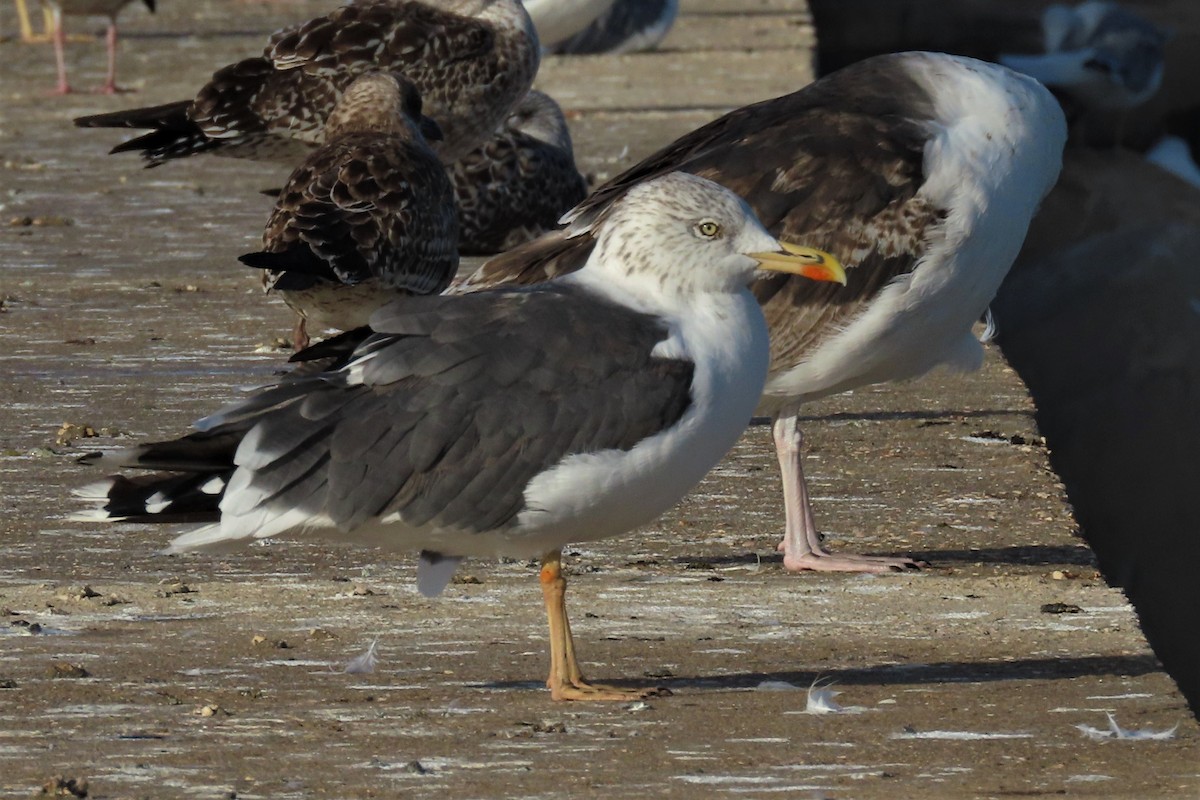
(566,681)
(23,21)
(47,34)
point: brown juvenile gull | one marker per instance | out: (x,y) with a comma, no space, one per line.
(471,60)
(519,182)
(500,423)
(919,172)
(87,8)
(368,214)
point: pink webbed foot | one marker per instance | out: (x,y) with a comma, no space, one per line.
(819,560)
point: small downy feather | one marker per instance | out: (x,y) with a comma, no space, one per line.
(820,700)
(364,663)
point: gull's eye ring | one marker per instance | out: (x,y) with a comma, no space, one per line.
(708,229)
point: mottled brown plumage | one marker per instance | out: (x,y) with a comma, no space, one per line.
(518,184)
(368,214)
(470,59)
(826,167)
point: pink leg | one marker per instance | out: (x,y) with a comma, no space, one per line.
(110,81)
(300,338)
(801,544)
(60,39)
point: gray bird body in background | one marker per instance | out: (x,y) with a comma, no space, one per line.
(1098,53)
(628,26)
(557,20)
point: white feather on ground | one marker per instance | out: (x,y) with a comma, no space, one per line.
(1115,731)
(364,663)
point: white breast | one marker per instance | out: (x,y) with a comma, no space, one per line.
(592,496)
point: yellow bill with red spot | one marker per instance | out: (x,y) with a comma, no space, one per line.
(809,262)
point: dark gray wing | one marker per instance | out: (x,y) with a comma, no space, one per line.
(836,165)
(448,412)
(366,205)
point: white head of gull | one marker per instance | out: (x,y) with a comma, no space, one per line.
(508,422)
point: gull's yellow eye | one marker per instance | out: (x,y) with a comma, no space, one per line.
(708,229)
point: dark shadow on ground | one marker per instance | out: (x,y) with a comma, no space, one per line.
(1048,555)
(1024,669)
(945,414)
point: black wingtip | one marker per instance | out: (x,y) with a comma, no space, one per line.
(262,260)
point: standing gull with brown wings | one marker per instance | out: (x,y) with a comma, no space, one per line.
(919,172)
(471,60)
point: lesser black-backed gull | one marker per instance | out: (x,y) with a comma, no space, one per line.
(98,8)
(507,422)
(518,184)
(470,59)
(368,214)
(919,171)
(1100,54)
(629,26)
